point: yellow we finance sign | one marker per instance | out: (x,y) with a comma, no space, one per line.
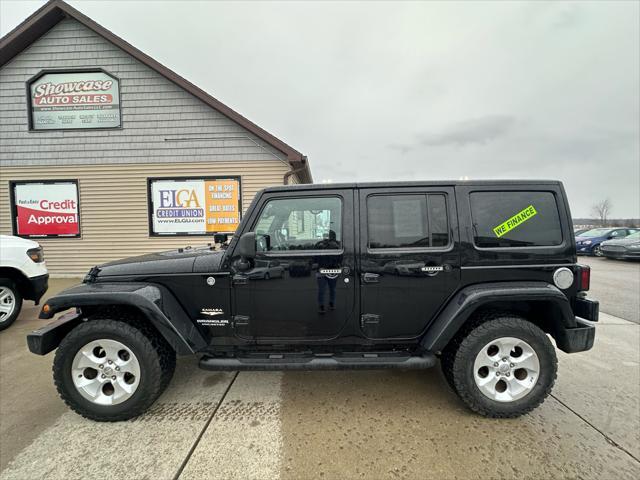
(222,205)
(518,219)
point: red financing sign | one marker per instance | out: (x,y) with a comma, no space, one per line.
(46,209)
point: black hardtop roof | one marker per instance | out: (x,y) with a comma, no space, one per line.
(425,183)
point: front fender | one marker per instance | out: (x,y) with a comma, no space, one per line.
(469,299)
(156,302)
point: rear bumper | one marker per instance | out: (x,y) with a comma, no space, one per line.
(578,339)
(47,338)
(36,287)
(586,308)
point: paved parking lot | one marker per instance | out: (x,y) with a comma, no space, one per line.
(616,283)
(299,425)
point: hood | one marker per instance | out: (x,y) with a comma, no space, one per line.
(593,239)
(182,260)
(9,241)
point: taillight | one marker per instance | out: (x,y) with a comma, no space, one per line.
(585,277)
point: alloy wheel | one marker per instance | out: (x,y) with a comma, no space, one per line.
(506,369)
(106,372)
(7,303)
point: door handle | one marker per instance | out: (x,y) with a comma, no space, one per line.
(330,273)
(434,270)
(370,277)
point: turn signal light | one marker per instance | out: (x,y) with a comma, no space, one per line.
(46,308)
(585,277)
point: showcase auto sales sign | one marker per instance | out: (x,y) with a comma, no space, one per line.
(46,209)
(74,100)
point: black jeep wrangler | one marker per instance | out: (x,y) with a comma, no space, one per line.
(343,276)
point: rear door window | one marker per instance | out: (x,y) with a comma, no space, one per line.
(407,221)
(515,219)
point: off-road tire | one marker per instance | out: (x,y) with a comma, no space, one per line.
(136,320)
(155,367)
(458,359)
(8,321)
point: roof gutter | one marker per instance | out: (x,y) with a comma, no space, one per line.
(294,171)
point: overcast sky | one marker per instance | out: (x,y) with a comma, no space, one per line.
(415,90)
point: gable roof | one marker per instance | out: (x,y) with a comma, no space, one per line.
(54,11)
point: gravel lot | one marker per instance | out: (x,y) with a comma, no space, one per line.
(335,425)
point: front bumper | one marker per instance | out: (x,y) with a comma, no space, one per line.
(626,254)
(36,287)
(584,249)
(47,338)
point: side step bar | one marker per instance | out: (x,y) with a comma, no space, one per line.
(281,362)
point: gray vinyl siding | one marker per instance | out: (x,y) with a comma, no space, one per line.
(161,122)
(165,132)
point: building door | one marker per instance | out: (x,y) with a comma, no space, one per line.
(301,284)
(410,262)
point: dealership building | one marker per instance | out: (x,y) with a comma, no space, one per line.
(106,153)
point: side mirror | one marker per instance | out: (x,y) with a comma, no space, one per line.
(246,246)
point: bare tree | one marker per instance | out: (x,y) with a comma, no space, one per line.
(601,210)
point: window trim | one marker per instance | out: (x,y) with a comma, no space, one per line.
(383,250)
(563,240)
(301,253)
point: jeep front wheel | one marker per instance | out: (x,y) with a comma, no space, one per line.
(504,367)
(107,370)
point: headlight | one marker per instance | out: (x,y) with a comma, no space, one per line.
(587,242)
(635,246)
(36,254)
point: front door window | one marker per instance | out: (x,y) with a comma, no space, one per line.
(300,224)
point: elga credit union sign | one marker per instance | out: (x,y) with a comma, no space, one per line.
(74,100)
(45,209)
(194,206)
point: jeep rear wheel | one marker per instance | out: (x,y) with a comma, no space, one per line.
(107,370)
(10,303)
(502,368)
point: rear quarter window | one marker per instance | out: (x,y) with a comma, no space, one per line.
(515,219)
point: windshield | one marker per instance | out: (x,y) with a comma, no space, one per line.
(633,236)
(596,232)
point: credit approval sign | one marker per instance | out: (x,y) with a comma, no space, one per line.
(45,209)
(194,206)
(74,100)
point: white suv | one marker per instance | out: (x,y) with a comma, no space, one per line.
(23,275)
